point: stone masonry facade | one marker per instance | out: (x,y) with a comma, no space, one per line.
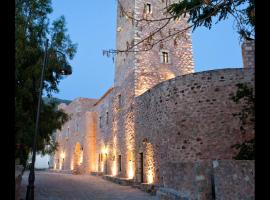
(158,114)
(248,49)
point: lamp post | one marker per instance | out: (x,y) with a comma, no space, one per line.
(31,178)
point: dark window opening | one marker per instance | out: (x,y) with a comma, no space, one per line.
(100,118)
(107,117)
(148,8)
(119,163)
(141,166)
(165,57)
(119,100)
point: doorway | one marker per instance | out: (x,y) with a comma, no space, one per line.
(141,167)
(119,164)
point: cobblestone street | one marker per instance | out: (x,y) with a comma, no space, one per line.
(54,186)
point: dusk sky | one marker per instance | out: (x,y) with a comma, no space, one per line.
(92,25)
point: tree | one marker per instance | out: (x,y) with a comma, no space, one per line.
(201,13)
(198,13)
(245,96)
(32,27)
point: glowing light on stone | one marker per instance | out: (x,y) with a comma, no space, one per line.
(150,177)
(71,165)
(63,155)
(130,170)
(169,75)
(150,164)
(104,150)
(114,168)
(81,158)
(102,166)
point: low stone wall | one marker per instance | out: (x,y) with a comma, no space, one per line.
(208,180)
(234,179)
(187,180)
(120,181)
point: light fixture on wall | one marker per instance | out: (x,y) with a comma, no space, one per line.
(62,155)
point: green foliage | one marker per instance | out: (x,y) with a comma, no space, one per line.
(56,100)
(31,30)
(201,13)
(245,96)
(246,150)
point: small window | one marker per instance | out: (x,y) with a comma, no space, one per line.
(100,119)
(148,8)
(119,163)
(165,57)
(119,100)
(107,117)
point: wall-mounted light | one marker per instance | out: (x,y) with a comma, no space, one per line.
(62,155)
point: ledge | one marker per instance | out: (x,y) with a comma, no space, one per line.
(96,173)
(170,194)
(118,180)
(59,171)
(149,188)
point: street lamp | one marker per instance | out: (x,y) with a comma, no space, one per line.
(66,70)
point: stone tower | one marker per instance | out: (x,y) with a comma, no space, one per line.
(248,53)
(141,70)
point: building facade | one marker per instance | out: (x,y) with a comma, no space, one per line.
(158,111)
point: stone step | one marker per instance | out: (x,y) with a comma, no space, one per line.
(118,180)
(149,188)
(96,173)
(60,171)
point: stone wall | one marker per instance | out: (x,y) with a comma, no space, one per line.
(72,133)
(142,68)
(190,118)
(234,179)
(190,180)
(248,53)
(208,180)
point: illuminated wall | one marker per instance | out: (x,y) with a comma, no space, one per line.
(190,118)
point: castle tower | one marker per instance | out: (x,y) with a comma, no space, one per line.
(142,69)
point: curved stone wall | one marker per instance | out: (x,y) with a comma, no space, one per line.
(190,118)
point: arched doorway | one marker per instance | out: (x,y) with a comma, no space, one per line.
(77,157)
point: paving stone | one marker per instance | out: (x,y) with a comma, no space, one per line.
(56,186)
